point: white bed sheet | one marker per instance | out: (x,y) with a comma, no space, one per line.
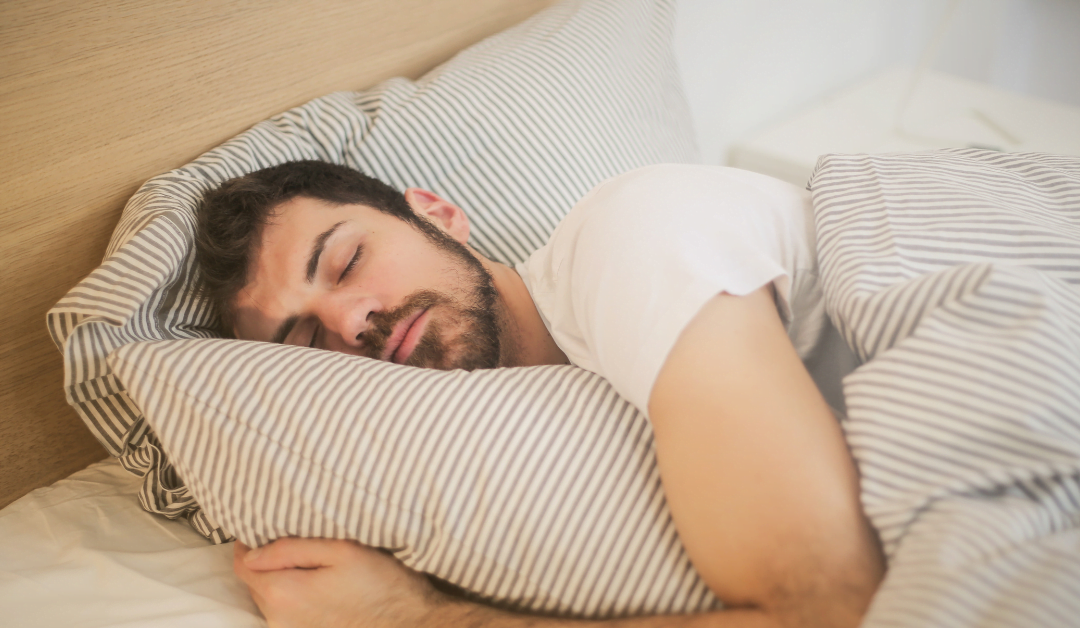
(83,553)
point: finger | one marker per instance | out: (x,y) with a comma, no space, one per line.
(293,553)
(239,550)
(283,588)
(260,602)
(240,568)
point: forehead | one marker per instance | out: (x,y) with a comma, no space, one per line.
(300,216)
(294,226)
(292,230)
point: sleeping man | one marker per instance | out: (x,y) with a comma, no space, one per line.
(691,289)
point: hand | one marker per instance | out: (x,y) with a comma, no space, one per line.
(332,584)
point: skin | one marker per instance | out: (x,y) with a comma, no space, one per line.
(781,539)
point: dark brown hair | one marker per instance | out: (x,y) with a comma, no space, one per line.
(230,219)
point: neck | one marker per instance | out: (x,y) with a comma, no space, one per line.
(530,342)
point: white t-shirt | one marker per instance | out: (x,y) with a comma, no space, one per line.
(636,259)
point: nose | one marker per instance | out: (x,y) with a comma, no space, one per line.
(344,316)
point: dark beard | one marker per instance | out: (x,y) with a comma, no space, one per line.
(477,311)
(476,347)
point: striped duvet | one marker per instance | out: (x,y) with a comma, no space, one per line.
(956,276)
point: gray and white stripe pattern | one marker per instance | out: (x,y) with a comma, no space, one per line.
(514,129)
(535,488)
(955,275)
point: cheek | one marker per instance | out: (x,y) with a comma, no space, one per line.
(406,273)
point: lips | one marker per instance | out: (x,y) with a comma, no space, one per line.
(405,337)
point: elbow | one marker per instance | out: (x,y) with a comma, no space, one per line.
(822,610)
(836,598)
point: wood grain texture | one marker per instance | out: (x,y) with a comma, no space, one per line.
(96,96)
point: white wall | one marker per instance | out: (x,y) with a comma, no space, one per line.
(749,63)
(1028,46)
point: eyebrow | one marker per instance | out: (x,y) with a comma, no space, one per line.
(317,250)
(283,331)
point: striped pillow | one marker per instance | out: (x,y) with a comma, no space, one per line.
(515,129)
(536,488)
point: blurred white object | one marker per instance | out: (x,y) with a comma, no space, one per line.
(943,111)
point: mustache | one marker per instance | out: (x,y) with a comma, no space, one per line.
(381,324)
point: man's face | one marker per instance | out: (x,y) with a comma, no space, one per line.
(353,279)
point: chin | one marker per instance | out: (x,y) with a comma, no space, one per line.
(466,351)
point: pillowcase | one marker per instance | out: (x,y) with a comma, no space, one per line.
(535,488)
(514,129)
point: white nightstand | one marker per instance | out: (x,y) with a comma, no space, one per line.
(943,111)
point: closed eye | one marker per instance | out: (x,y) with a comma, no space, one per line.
(352,262)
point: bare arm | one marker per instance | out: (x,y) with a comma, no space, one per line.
(757,474)
(762,488)
(321,583)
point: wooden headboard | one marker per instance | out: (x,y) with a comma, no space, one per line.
(97,96)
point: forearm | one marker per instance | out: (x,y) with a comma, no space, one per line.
(453,613)
(308,583)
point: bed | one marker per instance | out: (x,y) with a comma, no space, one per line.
(970,477)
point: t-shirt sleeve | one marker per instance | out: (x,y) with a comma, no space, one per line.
(640,256)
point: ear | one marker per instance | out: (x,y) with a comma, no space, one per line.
(446,216)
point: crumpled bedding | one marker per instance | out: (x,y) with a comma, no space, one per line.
(955,278)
